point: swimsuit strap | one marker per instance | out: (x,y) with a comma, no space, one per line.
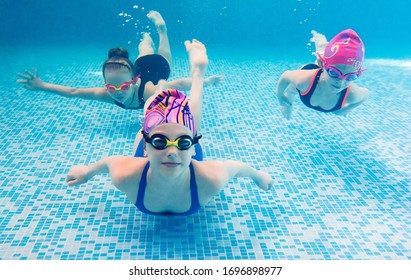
(141,93)
(310,66)
(129,108)
(195,203)
(119,104)
(142,189)
(341,99)
(312,86)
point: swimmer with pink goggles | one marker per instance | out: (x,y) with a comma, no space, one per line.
(346,48)
(337,74)
(123,87)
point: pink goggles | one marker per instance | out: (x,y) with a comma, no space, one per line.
(123,87)
(336,74)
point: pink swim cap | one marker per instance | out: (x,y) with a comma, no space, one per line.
(345,48)
(170,106)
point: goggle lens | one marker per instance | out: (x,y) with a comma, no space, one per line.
(333,74)
(161,142)
(336,74)
(123,87)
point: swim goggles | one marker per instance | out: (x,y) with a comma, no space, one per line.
(336,74)
(123,87)
(161,142)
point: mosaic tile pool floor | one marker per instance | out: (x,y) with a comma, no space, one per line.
(342,183)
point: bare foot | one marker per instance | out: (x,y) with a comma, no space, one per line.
(146,45)
(319,41)
(197,55)
(157,20)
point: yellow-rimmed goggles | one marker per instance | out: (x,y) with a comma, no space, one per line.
(161,142)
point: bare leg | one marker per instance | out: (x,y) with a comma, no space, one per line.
(146,46)
(164,44)
(198,62)
(162,85)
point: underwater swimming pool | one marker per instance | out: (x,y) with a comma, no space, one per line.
(342,184)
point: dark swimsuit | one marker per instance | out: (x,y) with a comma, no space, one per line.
(306,95)
(151,68)
(195,203)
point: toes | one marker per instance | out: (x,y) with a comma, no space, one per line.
(187,44)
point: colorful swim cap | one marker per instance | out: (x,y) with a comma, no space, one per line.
(170,106)
(345,48)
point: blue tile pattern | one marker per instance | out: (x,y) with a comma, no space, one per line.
(342,183)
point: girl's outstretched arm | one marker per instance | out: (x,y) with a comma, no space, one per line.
(31,81)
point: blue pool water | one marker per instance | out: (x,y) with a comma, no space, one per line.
(342,183)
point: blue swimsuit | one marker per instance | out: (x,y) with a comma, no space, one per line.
(195,203)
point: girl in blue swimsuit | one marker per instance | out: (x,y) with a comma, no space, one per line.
(168,175)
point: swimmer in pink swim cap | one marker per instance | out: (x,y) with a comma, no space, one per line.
(167,174)
(328,85)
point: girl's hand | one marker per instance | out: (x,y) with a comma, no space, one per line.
(286,111)
(264,180)
(284,100)
(213,80)
(78,175)
(30,80)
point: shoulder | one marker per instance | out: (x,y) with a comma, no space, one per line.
(211,176)
(126,171)
(101,94)
(357,94)
(299,77)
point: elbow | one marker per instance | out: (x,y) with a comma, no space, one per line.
(283,83)
(74,93)
(118,180)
